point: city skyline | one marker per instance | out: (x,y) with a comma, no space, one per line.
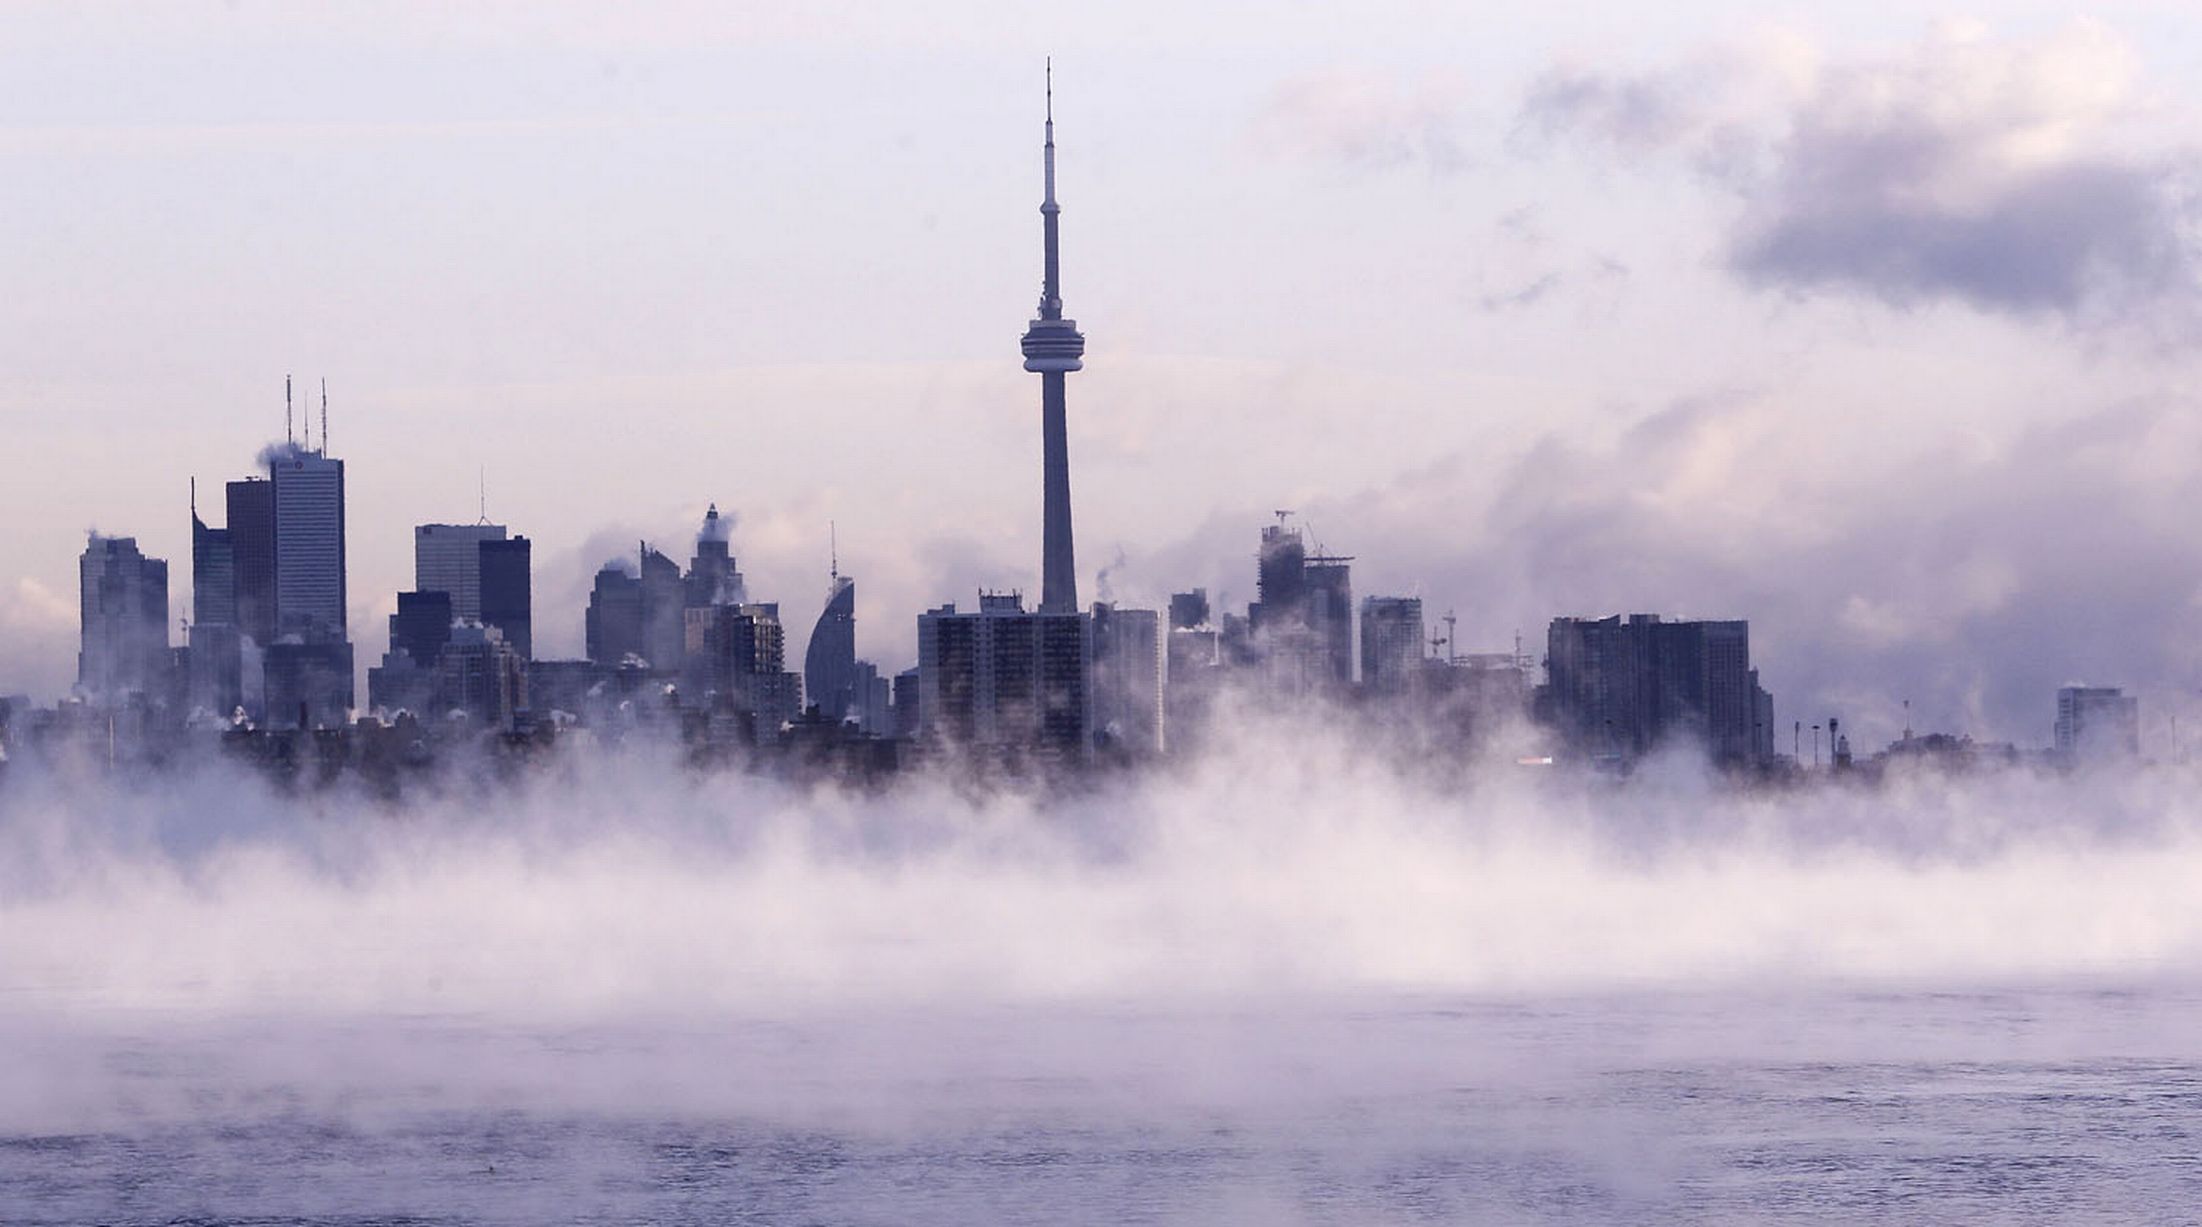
(1920,526)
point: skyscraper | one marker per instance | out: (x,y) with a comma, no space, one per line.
(123,621)
(1053,347)
(215,653)
(309,543)
(448,558)
(614,624)
(251,511)
(508,592)
(829,662)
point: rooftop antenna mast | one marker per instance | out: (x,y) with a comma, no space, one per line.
(481,494)
(833,549)
(194,499)
(324,415)
(289,433)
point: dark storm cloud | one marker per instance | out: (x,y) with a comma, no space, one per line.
(2002,176)
(1898,206)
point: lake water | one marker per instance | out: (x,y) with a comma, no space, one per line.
(2071,1104)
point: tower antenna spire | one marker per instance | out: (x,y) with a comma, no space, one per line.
(324,415)
(833,549)
(289,433)
(481,493)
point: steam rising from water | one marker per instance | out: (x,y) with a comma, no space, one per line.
(621,885)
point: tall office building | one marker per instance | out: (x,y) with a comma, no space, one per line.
(1392,638)
(215,651)
(251,514)
(2097,722)
(1617,688)
(1005,678)
(508,592)
(829,662)
(309,543)
(1053,347)
(1129,669)
(448,558)
(664,597)
(613,627)
(123,622)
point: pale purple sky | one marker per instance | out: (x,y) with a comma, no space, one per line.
(1870,323)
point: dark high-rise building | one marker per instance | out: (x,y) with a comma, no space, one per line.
(1053,347)
(1189,610)
(213,575)
(508,600)
(1003,677)
(829,662)
(421,626)
(614,624)
(215,653)
(309,683)
(251,512)
(123,617)
(1619,688)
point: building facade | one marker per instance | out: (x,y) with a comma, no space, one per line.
(1619,688)
(1002,677)
(123,622)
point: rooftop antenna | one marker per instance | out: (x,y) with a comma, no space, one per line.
(324,415)
(289,436)
(481,493)
(194,499)
(833,549)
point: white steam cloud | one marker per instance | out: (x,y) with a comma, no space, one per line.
(628,885)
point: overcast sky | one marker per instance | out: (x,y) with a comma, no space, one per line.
(1875,324)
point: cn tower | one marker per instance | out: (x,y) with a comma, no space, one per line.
(1053,346)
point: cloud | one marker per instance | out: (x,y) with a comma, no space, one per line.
(38,632)
(2016,178)
(1363,121)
